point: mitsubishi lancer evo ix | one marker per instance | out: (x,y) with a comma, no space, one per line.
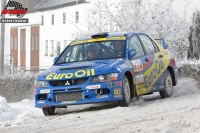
(106,67)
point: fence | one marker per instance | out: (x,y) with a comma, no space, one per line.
(12,70)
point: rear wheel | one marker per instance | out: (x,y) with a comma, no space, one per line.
(168,86)
(48,111)
(126,93)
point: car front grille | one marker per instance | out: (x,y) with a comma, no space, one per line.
(69,82)
(67,97)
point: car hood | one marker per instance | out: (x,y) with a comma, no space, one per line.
(80,69)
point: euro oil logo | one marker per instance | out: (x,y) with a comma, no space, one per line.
(149,79)
(79,73)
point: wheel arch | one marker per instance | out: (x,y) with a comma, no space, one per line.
(130,79)
(172,74)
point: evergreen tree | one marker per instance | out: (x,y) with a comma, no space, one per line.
(194,37)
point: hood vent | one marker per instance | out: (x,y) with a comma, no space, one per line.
(72,68)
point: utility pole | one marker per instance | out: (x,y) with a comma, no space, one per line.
(2,34)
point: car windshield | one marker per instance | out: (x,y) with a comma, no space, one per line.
(93,51)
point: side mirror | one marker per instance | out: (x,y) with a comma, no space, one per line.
(131,53)
(55,59)
(164,43)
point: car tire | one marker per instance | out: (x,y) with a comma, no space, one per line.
(48,111)
(126,93)
(168,86)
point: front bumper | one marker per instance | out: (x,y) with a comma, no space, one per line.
(78,94)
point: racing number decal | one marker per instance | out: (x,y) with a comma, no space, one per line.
(137,65)
(117,93)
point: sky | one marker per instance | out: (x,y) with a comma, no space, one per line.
(178,114)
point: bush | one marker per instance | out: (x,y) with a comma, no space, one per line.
(17,87)
(191,69)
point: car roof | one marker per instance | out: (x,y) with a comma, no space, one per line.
(108,34)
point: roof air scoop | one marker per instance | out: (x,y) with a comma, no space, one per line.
(99,35)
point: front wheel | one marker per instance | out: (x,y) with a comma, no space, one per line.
(48,111)
(168,86)
(126,93)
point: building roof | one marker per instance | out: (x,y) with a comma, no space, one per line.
(53,4)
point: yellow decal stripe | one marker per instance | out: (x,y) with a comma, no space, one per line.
(98,40)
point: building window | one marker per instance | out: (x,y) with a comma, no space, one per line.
(21,43)
(77,17)
(32,43)
(36,43)
(11,43)
(42,20)
(24,43)
(52,48)
(58,49)
(15,43)
(52,19)
(64,18)
(46,47)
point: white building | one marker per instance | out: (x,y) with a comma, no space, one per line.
(48,32)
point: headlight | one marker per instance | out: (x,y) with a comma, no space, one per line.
(105,77)
(40,84)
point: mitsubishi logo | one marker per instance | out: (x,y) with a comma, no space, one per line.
(67,83)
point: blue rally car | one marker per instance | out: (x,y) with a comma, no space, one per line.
(106,67)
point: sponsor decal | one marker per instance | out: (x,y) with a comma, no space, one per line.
(128,63)
(117,93)
(79,73)
(93,87)
(119,83)
(159,66)
(137,65)
(139,79)
(97,40)
(16,8)
(102,96)
(45,91)
(111,84)
(114,84)
(34,91)
(117,38)
(41,101)
(121,67)
(64,102)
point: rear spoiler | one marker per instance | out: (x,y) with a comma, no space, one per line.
(163,43)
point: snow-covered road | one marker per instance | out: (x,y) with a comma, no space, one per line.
(178,114)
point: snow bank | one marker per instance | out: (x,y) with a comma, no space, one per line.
(17,113)
(6,112)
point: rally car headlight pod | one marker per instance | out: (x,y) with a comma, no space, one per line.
(40,84)
(105,77)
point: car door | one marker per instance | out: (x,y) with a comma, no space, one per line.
(153,72)
(141,63)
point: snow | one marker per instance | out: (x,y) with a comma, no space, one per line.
(180,113)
